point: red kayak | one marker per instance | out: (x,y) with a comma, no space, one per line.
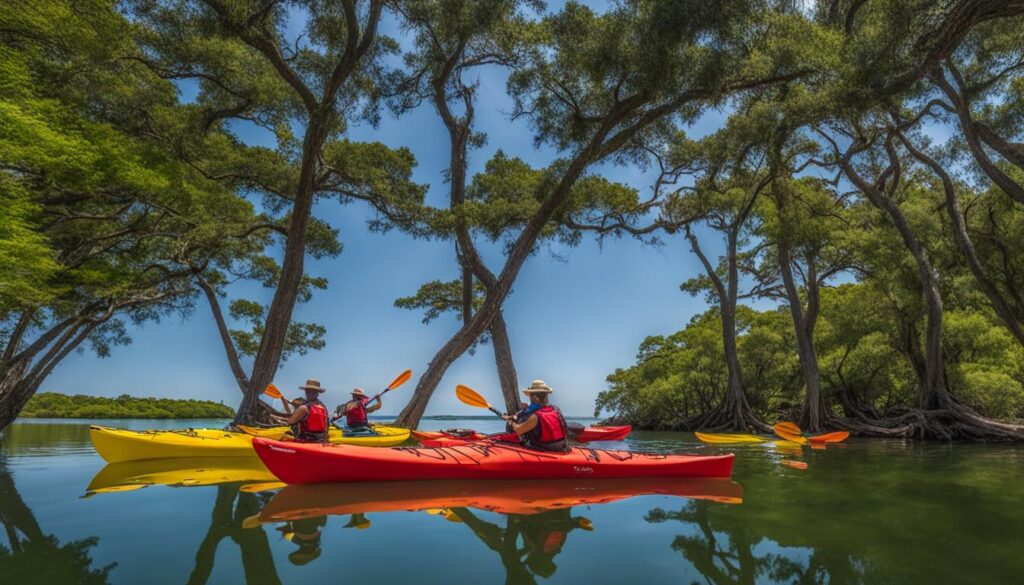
(297,463)
(586,435)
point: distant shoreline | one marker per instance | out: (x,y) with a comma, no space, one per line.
(63,406)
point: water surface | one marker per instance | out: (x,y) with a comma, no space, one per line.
(868,511)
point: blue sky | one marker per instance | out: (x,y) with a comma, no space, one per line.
(575,315)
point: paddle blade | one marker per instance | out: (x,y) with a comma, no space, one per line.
(836,437)
(790,436)
(794,464)
(789,428)
(272,391)
(469,396)
(401,379)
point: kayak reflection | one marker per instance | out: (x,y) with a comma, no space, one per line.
(505,497)
(538,515)
(230,509)
(192,471)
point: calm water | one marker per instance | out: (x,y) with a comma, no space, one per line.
(862,512)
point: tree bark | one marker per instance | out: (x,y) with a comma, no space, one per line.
(813,414)
(225,336)
(934,392)
(734,411)
(505,365)
(1002,307)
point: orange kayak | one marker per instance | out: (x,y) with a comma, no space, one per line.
(296,502)
(295,463)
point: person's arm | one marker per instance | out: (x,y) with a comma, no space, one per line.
(524,427)
(299,414)
(376,406)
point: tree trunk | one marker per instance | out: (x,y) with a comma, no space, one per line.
(268,356)
(934,392)
(504,364)
(496,294)
(225,336)
(812,414)
(1002,308)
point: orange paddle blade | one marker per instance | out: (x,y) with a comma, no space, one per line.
(789,436)
(401,379)
(789,427)
(272,391)
(469,396)
(836,437)
(794,464)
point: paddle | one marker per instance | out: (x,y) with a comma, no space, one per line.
(401,379)
(469,396)
(785,430)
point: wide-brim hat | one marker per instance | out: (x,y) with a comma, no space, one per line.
(538,387)
(313,384)
(359,392)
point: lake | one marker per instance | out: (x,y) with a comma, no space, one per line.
(865,511)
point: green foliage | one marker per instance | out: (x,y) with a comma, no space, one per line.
(56,405)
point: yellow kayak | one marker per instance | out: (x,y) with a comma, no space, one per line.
(385,436)
(116,445)
(715,439)
(194,471)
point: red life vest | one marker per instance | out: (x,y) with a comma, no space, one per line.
(314,426)
(356,417)
(551,425)
(550,433)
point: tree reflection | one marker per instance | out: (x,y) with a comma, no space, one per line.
(527,544)
(32,556)
(230,508)
(730,549)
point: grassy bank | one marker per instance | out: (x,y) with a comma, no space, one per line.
(56,405)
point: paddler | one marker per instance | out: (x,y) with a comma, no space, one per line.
(310,420)
(540,425)
(356,411)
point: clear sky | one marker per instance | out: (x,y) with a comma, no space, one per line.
(575,315)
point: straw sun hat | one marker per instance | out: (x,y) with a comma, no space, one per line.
(538,387)
(312,384)
(359,392)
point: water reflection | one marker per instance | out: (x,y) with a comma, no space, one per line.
(230,509)
(537,516)
(34,556)
(192,471)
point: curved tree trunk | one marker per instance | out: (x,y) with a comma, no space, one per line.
(505,365)
(1003,309)
(813,415)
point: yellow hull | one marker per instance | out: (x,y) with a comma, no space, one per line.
(194,471)
(117,445)
(716,439)
(386,436)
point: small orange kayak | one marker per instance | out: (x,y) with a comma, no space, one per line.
(506,497)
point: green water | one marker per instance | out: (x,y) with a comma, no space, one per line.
(862,512)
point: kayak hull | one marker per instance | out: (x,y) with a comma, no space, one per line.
(117,445)
(733,439)
(296,463)
(297,502)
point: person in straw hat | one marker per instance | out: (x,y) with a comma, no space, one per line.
(540,425)
(356,411)
(310,421)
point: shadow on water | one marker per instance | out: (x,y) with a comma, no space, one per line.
(34,556)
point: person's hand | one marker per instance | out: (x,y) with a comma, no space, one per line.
(507,418)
